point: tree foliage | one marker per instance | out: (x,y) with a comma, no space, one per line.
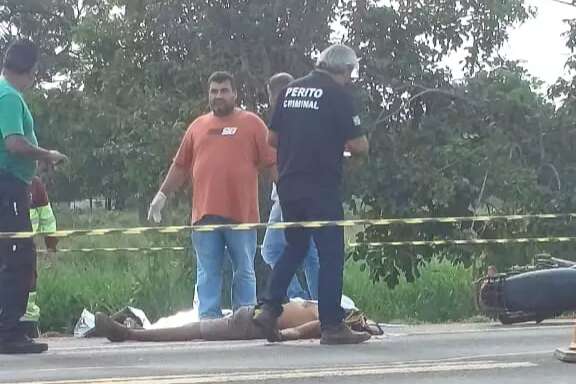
(123,78)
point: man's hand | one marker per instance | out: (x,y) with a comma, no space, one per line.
(155,210)
(272,139)
(357,146)
(273,173)
(56,157)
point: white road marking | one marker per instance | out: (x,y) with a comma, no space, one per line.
(478,330)
(293,374)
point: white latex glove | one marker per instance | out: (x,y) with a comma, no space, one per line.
(155,210)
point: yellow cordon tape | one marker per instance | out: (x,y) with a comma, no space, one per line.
(525,240)
(302,224)
(127,249)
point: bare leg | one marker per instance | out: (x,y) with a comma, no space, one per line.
(310,330)
(118,332)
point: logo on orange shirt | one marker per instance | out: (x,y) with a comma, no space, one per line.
(229,131)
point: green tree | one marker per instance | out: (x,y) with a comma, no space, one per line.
(438,147)
(127,76)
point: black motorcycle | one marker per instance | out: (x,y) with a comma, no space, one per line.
(536,292)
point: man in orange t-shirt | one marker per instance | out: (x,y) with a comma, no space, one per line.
(221,154)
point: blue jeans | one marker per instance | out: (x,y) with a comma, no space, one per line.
(272,249)
(210,249)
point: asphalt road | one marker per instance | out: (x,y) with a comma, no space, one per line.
(459,353)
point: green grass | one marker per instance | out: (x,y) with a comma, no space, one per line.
(163,283)
(442,293)
(158,284)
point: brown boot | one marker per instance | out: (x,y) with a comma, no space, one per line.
(341,334)
(114,331)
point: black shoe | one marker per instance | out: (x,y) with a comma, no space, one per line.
(30,329)
(341,334)
(21,346)
(268,322)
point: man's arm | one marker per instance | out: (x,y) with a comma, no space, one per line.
(12,132)
(350,124)
(357,146)
(270,173)
(18,145)
(175,178)
(273,173)
(273,139)
(276,122)
(177,175)
(266,154)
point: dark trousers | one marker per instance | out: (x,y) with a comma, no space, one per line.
(330,243)
(17,256)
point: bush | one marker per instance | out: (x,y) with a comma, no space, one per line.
(443,292)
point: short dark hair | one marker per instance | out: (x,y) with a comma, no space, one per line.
(222,76)
(21,56)
(279,81)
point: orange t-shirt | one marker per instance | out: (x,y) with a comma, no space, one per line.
(223,156)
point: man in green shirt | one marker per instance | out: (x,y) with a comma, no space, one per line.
(19,153)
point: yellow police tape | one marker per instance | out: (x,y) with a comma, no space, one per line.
(520,240)
(524,240)
(305,224)
(127,249)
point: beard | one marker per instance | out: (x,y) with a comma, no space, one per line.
(221,108)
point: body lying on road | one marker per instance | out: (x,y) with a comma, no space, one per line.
(299,320)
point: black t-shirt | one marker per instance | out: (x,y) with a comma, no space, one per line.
(314,117)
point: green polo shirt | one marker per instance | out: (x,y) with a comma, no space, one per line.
(15,119)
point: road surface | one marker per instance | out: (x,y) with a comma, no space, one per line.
(459,353)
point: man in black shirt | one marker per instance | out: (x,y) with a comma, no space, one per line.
(314,122)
